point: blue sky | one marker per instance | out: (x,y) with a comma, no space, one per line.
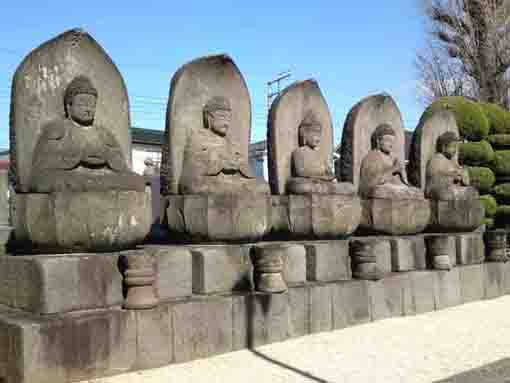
(352,48)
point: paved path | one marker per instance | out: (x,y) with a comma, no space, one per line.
(463,344)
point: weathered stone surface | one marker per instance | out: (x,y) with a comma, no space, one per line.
(456,215)
(328,261)
(260,319)
(395,217)
(441,251)
(202,328)
(351,303)
(139,280)
(56,284)
(470,249)
(154,337)
(267,259)
(472,282)
(408,253)
(4,199)
(220,217)
(294,264)
(221,269)
(300,140)
(299,305)
(81,222)
(391,296)
(321,308)
(496,279)
(423,291)
(371,258)
(447,289)
(6,233)
(359,127)
(174,271)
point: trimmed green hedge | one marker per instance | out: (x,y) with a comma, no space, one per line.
(502,216)
(476,153)
(488,222)
(481,178)
(500,163)
(499,118)
(502,193)
(490,204)
(500,140)
(472,121)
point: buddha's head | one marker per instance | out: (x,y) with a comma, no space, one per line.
(218,115)
(384,138)
(80,101)
(310,131)
(447,144)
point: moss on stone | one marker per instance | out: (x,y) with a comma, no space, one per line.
(500,163)
(472,121)
(481,178)
(490,204)
(499,118)
(476,153)
(500,141)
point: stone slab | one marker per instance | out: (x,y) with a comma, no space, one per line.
(390,297)
(408,253)
(174,271)
(221,269)
(351,303)
(56,284)
(470,248)
(447,289)
(328,261)
(423,291)
(497,279)
(472,282)
(299,305)
(294,265)
(451,249)
(202,328)
(321,309)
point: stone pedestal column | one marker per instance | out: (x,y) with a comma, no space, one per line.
(139,281)
(496,244)
(364,261)
(439,252)
(268,267)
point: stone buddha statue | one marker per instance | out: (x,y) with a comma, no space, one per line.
(382,174)
(446,180)
(310,172)
(75,154)
(213,163)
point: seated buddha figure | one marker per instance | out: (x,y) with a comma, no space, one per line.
(446,180)
(75,154)
(382,174)
(213,162)
(310,172)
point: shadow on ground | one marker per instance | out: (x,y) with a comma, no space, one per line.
(497,372)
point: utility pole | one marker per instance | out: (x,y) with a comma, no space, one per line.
(275,83)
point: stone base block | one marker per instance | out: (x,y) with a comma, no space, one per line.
(328,261)
(423,291)
(408,253)
(81,222)
(317,215)
(395,217)
(472,282)
(219,217)
(497,279)
(447,289)
(294,264)
(439,245)
(391,296)
(380,250)
(456,216)
(173,270)
(221,269)
(470,248)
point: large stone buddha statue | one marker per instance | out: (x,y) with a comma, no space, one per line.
(310,171)
(213,163)
(446,180)
(74,154)
(382,175)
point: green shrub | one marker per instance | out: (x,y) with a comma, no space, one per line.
(482,178)
(488,222)
(500,140)
(502,216)
(476,153)
(501,163)
(471,119)
(490,205)
(499,118)
(502,193)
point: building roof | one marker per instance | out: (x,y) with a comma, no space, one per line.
(147,136)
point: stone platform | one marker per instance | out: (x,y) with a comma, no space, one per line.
(61,318)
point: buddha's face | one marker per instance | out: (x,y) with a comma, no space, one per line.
(82,109)
(312,137)
(450,150)
(385,143)
(219,121)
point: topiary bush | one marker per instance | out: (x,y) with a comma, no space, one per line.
(490,205)
(502,193)
(476,153)
(500,141)
(481,178)
(502,216)
(499,118)
(472,121)
(500,163)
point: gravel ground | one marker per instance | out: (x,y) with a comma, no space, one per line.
(451,345)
